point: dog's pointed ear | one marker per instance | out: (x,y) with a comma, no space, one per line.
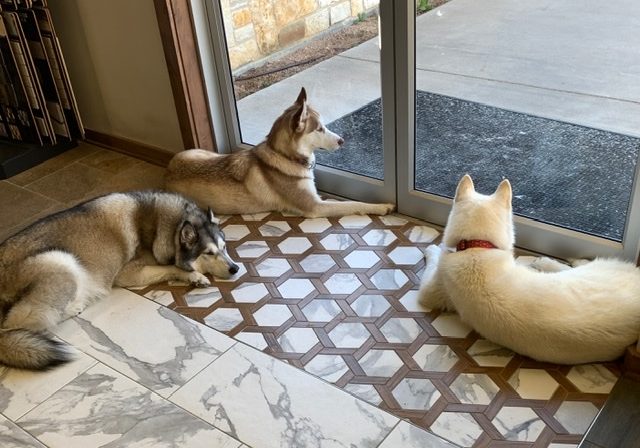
(212,219)
(298,122)
(465,188)
(188,235)
(302,97)
(503,193)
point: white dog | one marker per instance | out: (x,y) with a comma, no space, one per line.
(574,315)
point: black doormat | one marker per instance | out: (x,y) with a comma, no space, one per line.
(562,174)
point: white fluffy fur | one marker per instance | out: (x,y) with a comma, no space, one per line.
(585,314)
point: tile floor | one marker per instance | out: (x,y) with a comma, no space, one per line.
(334,298)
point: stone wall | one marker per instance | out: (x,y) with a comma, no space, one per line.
(258,28)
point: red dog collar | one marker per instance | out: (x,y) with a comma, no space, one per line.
(470,244)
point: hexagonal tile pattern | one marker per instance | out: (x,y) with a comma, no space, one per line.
(576,416)
(362,259)
(294,245)
(316,225)
(406,255)
(533,384)
(328,367)
(487,354)
(435,358)
(252,249)
(366,392)
(393,220)
(321,310)
(354,221)
(235,232)
(349,335)
(249,292)
(342,283)
(273,267)
(474,388)
(380,363)
(298,340)
(389,279)
(422,234)
(317,263)
(411,303)
(379,237)
(272,315)
(458,427)
(370,305)
(403,330)
(224,319)
(202,297)
(416,393)
(518,424)
(592,378)
(274,228)
(337,241)
(451,326)
(296,288)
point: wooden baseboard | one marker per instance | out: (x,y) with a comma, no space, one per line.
(631,365)
(142,151)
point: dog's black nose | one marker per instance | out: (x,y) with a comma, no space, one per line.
(233,269)
(341,142)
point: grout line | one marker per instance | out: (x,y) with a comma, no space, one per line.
(393,428)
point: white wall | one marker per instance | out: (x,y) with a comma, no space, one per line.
(117,67)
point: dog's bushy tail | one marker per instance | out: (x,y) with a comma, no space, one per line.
(31,350)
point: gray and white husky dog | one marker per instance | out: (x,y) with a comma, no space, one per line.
(56,267)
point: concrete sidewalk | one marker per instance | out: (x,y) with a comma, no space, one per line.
(576,61)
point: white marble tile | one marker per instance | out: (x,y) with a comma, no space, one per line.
(349,335)
(124,329)
(392,279)
(457,427)
(405,435)
(370,305)
(380,363)
(366,392)
(296,288)
(411,303)
(450,325)
(255,216)
(488,354)
(533,384)
(406,255)
(474,388)
(576,416)
(294,245)
(354,221)
(224,319)
(22,390)
(563,445)
(272,315)
(317,263)
(298,340)
(12,436)
(104,408)
(253,339)
(274,228)
(315,225)
(265,402)
(435,358)
(342,283)
(328,367)
(203,297)
(362,259)
(337,241)
(402,330)
(592,378)
(273,267)
(164,298)
(416,393)
(252,249)
(392,220)
(235,232)
(518,424)
(321,310)
(422,234)
(379,237)
(249,292)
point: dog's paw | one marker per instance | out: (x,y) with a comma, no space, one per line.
(199,280)
(384,209)
(432,252)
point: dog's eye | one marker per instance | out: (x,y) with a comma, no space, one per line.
(320,129)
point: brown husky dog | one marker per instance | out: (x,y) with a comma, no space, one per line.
(275,175)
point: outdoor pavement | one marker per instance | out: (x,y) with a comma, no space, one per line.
(576,61)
